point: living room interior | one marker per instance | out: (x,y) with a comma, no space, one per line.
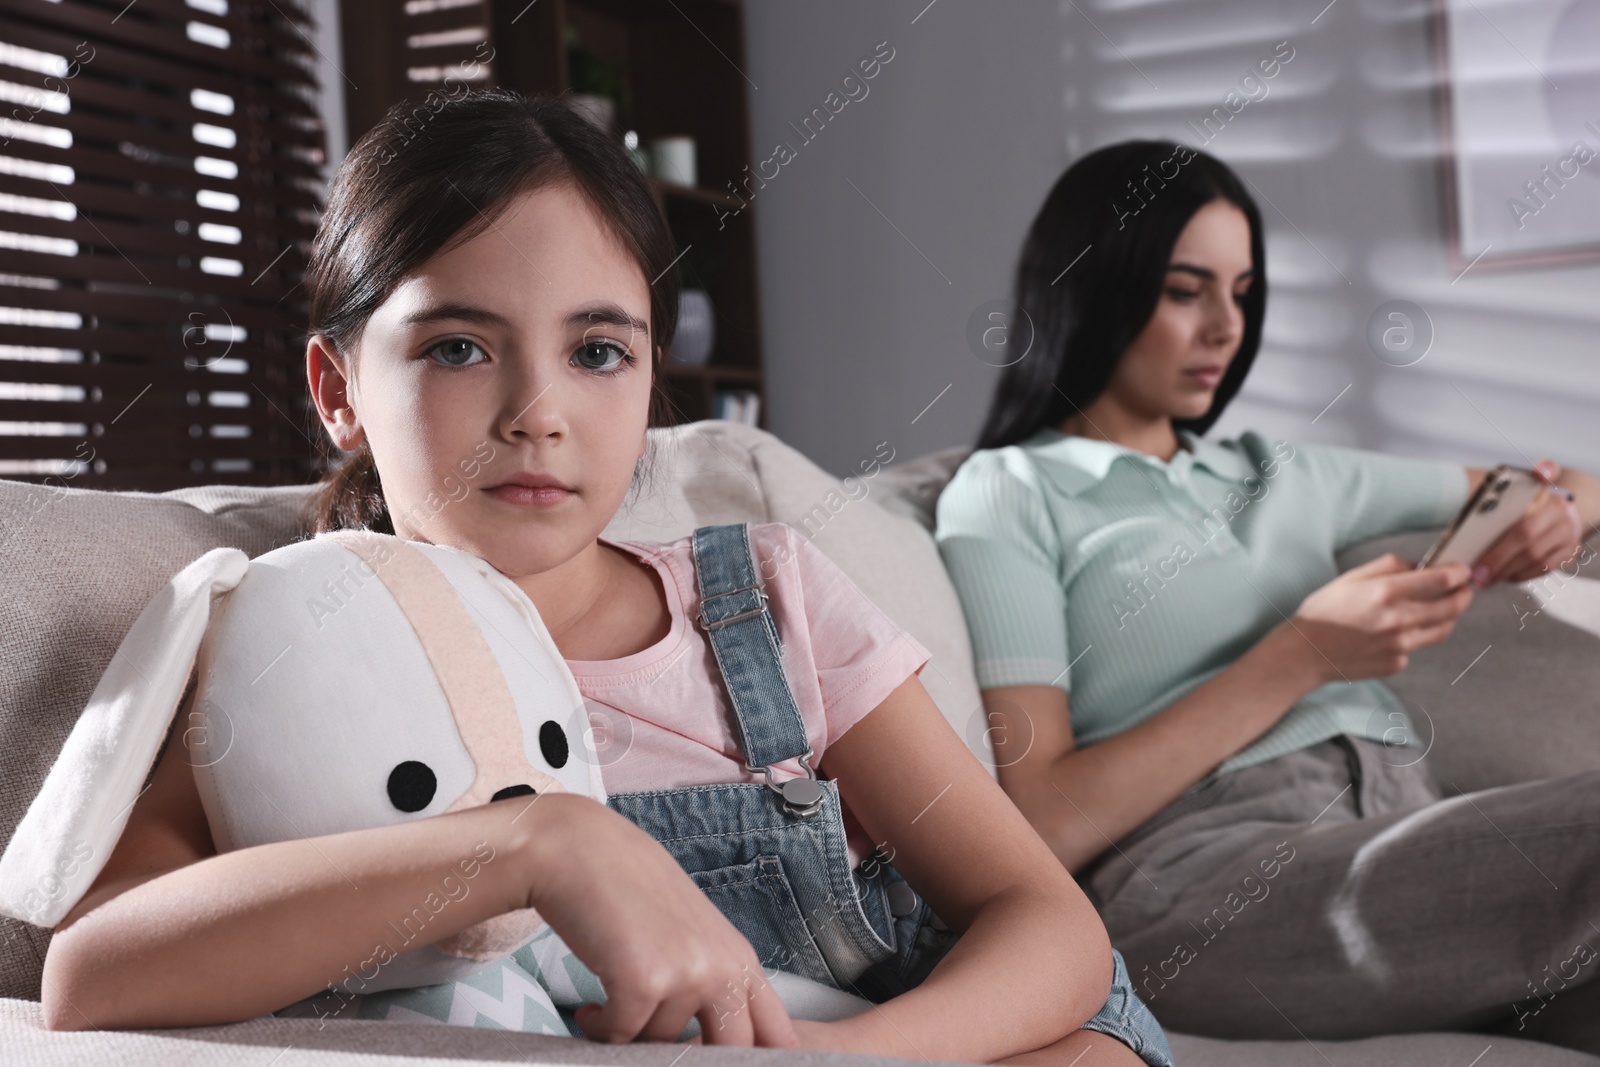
(848,187)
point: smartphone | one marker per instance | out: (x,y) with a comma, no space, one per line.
(1493,509)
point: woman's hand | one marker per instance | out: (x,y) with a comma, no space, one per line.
(663,951)
(1548,534)
(1366,622)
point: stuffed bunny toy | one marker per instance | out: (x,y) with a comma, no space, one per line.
(347,681)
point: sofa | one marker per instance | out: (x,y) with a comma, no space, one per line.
(78,565)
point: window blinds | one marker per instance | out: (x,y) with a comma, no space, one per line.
(160,180)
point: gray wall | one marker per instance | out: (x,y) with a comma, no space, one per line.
(866,304)
(890,227)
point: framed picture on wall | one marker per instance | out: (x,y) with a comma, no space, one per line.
(1519,85)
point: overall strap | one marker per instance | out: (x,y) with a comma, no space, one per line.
(744,639)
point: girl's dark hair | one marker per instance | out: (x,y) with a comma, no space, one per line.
(1126,204)
(439,171)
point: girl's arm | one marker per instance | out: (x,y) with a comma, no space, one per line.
(1362,624)
(171,934)
(917,791)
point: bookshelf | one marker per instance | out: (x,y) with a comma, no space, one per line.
(673,67)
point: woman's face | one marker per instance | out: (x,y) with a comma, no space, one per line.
(1172,368)
(523,351)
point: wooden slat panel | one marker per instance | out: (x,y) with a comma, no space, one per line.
(156,416)
(449,18)
(165,40)
(110,267)
(167,336)
(131,241)
(115,379)
(96,198)
(141,389)
(160,480)
(252,315)
(239,21)
(170,445)
(90,161)
(256,152)
(107,104)
(117,448)
(111,60)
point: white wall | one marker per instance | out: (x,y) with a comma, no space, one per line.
(985,103)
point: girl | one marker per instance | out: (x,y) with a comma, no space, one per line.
(498,292)
(1227,730)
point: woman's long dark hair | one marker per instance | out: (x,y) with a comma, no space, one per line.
(436,172)
(1126,204)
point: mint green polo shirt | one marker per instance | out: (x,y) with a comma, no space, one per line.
(1128,581)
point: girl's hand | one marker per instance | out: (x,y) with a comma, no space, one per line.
(814,1036)
(1548,534)
(661,949)
(1366,622)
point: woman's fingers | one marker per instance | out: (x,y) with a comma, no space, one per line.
(1547,535)
(1423,636)
(1430,582)
(1444,609)
(1556,547)
(1544,536)
(1388,563)
(1524,544)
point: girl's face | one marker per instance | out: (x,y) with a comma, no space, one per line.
(1172,368)
(523,351)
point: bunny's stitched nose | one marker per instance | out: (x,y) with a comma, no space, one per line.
(512,791)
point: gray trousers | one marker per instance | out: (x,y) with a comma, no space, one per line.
(1332,893)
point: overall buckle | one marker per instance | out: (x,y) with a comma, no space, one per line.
(708,625)
(801,796)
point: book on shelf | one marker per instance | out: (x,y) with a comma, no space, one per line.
(737,405)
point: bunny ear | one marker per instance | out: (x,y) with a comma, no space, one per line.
(66,837)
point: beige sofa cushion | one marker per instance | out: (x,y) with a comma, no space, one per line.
(79,566)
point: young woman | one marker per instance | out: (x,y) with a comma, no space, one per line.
(499,290)
(1228,779)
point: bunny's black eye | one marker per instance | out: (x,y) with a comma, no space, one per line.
(412,785)
(553,743)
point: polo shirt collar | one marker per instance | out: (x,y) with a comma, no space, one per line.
(1078,463)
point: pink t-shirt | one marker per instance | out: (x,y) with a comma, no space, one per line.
(661,716)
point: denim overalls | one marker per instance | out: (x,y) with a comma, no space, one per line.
(772,856)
